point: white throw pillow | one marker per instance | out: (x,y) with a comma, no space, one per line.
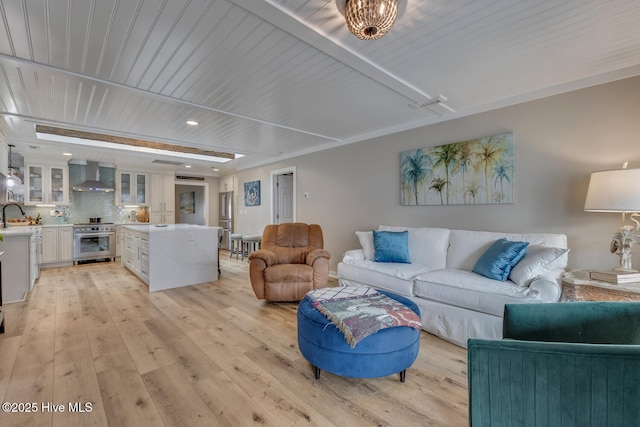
(366,241)
(537,261)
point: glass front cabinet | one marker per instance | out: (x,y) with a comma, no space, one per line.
(132,188)
(46,184)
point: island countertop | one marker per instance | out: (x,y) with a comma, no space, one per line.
(153,228)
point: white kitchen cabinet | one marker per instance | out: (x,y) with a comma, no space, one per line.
(163,198)
(132,188)
(135,255)
(17,270)
(118,240)
(227,183)
(46,183)
(49,252)
(56,245)
(65,244)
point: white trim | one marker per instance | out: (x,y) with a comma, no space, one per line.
(274,173)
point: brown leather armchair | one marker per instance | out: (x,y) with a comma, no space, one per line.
(291,261)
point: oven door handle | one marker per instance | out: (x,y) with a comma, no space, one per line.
(95,235)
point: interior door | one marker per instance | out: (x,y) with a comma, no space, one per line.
(284,199)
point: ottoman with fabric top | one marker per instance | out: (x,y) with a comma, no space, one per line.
(388,351)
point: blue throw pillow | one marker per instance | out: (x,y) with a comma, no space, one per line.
(391,246)
(497,261)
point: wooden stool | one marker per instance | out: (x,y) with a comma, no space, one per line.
(236,246)
(250,243)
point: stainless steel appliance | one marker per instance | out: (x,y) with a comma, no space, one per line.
(225,217)
(93,183)
(93,242)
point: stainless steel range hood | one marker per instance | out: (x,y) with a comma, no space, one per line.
(93,180)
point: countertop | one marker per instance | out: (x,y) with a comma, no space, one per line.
(153,228)
(20,231)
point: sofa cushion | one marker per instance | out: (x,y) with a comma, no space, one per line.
(427,245)
(466,247)
(537,261)
(366,242)
(497,261)
(397,278)
(391,246)
(471,291)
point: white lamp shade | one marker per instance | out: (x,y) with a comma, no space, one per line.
(614,191)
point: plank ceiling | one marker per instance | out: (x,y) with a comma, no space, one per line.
(272,79)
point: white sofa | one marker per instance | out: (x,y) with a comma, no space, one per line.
(455,303)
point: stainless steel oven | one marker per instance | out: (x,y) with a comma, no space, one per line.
(93,242)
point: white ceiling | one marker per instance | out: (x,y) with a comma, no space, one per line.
(273,79)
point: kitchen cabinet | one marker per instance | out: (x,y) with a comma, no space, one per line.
(132,188)
(20,262)
(56,245)
(46,183)
(163,198)
(228,183)
(118,240)
(65,244)
(135,255)
(49,252)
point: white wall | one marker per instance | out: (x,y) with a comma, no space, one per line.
(560,140)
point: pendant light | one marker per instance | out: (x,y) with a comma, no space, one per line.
(370,19)
(14,177)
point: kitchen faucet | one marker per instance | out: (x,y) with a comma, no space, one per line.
(4,216)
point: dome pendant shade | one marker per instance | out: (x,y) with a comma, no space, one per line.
(370,19)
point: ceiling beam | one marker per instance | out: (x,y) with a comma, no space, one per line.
(130,142)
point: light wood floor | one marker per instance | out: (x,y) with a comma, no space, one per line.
(211,354)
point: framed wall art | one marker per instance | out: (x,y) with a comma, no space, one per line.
(188,202)
(252,193)
(473,172)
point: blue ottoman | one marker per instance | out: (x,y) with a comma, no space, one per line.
(386,352)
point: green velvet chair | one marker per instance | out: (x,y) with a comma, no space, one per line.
(562,364)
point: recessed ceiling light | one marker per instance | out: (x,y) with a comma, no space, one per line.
(192,123)
(187,166)
(67,154)
(216,169)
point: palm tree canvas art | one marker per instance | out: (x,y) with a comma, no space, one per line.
(473,172)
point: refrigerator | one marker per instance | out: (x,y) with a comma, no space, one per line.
(225,217)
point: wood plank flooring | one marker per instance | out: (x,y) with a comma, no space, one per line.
(212,354)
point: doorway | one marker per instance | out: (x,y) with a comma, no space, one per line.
(283,195)
(192,202)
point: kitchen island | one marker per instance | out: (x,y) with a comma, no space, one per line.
(172,255)
(20,261)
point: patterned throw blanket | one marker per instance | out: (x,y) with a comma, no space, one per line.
(359,311)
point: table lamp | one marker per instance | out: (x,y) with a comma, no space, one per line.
(618,191)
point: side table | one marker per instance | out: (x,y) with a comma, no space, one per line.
(578,286)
